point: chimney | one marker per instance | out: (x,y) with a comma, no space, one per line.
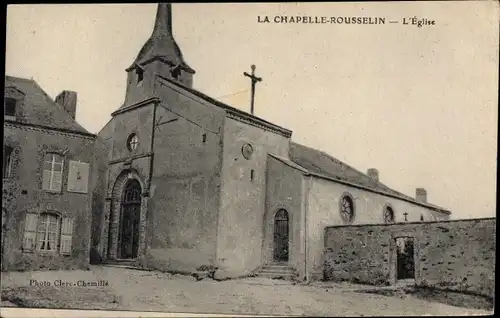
(421,195)
(373,173)
(68,99)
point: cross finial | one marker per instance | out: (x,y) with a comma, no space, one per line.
(254,80)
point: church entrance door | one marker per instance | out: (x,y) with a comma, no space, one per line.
(129,221)
(281,236)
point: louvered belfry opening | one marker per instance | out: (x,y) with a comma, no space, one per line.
(129,220)
(281,236)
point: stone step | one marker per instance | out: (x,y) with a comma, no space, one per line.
(124,262)
(275,268)
(283,271)
(276,275)
(277,272)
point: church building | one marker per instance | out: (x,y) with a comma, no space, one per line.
(185,180)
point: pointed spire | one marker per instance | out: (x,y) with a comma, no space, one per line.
(162,44)
(163,23)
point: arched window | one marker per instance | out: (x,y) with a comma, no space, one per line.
(139,75)
(347,208)
(48,232)
(132,193)
(7,162)
(388,214)
(10,106)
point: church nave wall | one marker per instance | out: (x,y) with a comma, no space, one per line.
(324,210)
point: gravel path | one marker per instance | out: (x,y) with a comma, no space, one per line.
(153,291)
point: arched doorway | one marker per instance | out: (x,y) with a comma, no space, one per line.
(281,237)
(129,220)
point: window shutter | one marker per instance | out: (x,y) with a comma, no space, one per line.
(30,225)
(66,236)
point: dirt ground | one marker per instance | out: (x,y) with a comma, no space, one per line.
(153,291)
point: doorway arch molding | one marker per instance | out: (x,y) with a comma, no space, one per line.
(116,190)
(113,211)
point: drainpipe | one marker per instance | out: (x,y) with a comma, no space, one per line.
(307,190)
(150,176)
(151,149)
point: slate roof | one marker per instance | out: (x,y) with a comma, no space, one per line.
(322,164)
(161,44)
(40,109)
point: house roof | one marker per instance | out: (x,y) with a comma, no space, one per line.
(321,164)
(41,110)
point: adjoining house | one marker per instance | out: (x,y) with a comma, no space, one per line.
(47,164)
(185,179)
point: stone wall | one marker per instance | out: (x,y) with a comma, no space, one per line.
(114,163)
(102,155)
(185,186)
(240,228)
(455,255)
(24,193)
(323,210)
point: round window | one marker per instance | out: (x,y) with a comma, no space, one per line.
(247,151)
(132,142)
(347,208)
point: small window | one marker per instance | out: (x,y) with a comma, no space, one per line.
(252,174)
(388,215)
(204,138)
(10,107)
(421,217)
(132,142)
(347,208)
(7,162)
(175,72)
(140,75)
(52,172)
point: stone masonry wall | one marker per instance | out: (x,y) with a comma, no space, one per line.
(23,193)
(455,255)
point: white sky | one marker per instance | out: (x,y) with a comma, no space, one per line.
(418,104)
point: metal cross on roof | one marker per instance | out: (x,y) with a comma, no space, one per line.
(254,80)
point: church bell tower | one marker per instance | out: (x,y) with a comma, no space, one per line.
(160,55)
